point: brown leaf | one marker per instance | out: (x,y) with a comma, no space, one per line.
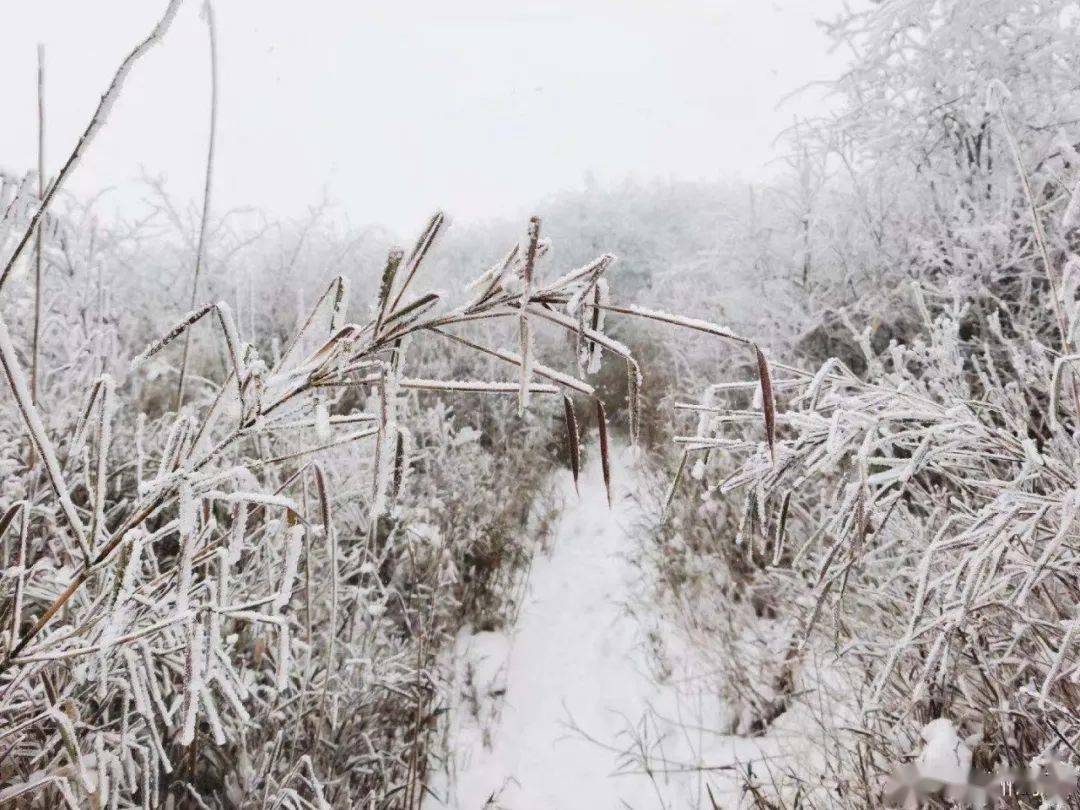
(573,437)
(399,464)
(605,456)
(633,398)
(12,511)
(781,529)
(530,253)
(675,481)
(768,402)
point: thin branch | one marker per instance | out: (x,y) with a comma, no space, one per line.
(200,249)
(101,115)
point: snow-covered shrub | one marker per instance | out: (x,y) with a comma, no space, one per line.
(920,524)
(236,593)
(267,576)
(905,527)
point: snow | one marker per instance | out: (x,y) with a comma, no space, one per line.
(910,549)
(945,758)
(570,706)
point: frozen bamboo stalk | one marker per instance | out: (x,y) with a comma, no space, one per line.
(525,340)
(38,241)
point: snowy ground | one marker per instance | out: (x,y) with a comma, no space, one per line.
(584,703)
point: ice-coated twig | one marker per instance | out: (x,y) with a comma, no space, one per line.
(97,121)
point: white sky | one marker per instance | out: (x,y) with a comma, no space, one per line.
(481,107)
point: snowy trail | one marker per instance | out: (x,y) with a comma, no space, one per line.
(553,705)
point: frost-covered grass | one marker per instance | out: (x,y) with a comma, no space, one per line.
(226,576)
(241,589)
(903,521)
(244,600)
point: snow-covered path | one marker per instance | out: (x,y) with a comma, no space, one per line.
(554,709)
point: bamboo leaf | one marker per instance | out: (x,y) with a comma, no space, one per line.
(574,439)
(633,399)
(675,480)
(605,454)
(524,334)
(768,402)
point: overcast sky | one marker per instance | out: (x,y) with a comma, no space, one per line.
(481,107)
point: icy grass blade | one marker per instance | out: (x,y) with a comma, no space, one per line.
(339,288)
(605,451)
(180,328)
(678,320)
(634,383)
(29,412)
(393,261)
(510,357)
(104,442)
(419,251)
(294,543)
(768,401)
(193,681)
(525,341)
(573,438)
